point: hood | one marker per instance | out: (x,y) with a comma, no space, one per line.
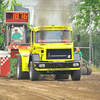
(54,45)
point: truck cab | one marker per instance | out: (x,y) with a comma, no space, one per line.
(53,43)
(51,52)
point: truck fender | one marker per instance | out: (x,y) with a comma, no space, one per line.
(34,58)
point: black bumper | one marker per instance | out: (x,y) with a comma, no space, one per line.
(56,64)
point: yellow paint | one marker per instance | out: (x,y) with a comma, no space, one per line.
(44,46)
(25,63)
(56,69)
(34,65)
(25,58)
(37,47)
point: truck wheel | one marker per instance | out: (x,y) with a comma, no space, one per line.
(33,74)
(89,71)
(20,74)
(81,70)
(84,71)
(76,75)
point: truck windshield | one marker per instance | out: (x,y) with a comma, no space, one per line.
(53,36)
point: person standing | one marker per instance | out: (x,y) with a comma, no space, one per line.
(78,51)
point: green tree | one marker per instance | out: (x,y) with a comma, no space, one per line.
(14,2)
(83,18)
(82,24)
(3,7)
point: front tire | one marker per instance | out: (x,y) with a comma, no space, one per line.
(89,70)
(33,74)
(20,74)
(76,75)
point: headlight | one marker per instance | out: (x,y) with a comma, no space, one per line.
(41,65)
(69,56)
(75,64)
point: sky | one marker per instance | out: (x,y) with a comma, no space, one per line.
(53,15)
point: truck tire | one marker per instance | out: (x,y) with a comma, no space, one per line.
(20,74)
(33,74)
(76,75)
(83,71)
(62,76)
(89,70)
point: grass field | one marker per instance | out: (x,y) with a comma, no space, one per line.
(95,69)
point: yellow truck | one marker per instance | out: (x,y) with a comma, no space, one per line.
(51,52)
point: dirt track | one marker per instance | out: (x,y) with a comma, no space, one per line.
(88,88)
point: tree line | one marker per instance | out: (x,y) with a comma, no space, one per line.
(80,16)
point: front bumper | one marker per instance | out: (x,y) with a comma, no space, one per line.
(56,66)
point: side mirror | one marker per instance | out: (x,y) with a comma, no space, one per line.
(78,38)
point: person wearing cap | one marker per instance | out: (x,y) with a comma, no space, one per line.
(16,35)
(78,51)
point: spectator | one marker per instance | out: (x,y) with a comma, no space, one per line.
(78,51)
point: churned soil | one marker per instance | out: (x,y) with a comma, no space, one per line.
(88,88)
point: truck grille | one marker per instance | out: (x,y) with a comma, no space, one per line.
(58,54)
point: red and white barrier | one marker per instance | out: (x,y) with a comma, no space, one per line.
(5,66)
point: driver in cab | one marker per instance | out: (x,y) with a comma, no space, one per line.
(16,35)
